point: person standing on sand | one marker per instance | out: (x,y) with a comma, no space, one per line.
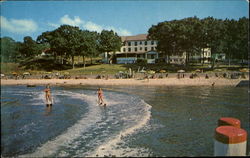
(48,95)
(100,97)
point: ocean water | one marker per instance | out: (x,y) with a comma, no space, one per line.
(138,121)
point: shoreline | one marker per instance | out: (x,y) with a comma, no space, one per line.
(128,82)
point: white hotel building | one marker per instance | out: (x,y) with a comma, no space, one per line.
(138,47)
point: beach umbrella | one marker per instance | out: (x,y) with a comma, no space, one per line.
(162,71)
(244,70)
(181,71)
(218,69)
(142,71)
(14,73)
(197,70)
(26,73)
(151,72)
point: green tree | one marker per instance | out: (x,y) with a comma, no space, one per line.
(109,42)
(64,41)
(230,39)
(189,36)
(29,48)
(242,39)
(89,45)
(164,33)
(9,51)
(175,37)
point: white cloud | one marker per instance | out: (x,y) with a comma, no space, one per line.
(53,25)
(120,31)
(88,25)
(92,26)
(74,22)
(18,26)
(98,28)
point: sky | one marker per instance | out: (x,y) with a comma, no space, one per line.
(131,17)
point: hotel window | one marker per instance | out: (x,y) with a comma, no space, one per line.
(135,49)
(152,42)
(129,43)
(135,43)
(140,48)
(124,49)
(145,43)
(140,42)
(152,48)
(151,56)
(129,49)
(146,49)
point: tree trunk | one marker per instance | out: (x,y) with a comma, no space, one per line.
(62,59)
(55,57)
(187,57)
(84,63)
(213,61)
(203,57)
(78,60)
(73,63)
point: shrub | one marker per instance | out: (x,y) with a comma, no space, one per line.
(141,61)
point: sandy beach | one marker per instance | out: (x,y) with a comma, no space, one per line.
(132,82)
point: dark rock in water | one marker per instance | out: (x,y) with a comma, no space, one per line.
(31,85)
(243,83)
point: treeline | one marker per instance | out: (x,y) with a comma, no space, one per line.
(192,35)
(62,43)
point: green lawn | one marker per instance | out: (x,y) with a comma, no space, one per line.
(97,69)
(8,68)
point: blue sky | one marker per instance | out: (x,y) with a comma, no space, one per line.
(31,18)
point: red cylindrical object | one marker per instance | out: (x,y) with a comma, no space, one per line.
(229,121)
(230,135)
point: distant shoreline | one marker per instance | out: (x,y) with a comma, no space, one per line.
(128,82)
